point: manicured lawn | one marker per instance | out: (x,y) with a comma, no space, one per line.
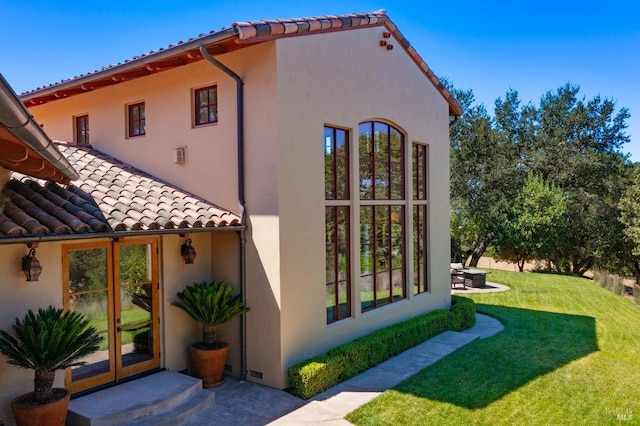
(128,317)
(569,354)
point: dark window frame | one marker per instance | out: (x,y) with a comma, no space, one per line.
(338,282)
(136,123)
(206,107)
(338,285)
(382,185)
(420,172)
(82,129)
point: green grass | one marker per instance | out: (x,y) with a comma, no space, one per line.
(127,317)
(569,354)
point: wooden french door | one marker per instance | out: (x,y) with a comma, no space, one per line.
(114,284)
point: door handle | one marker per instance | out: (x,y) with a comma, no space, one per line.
(118,329)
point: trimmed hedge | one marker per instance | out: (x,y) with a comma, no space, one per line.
(319,373)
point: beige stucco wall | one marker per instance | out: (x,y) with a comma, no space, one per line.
(210,172)
(167,96)
(342,79)
(178,330)
(17,297)
(293,87)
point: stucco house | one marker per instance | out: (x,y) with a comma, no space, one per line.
(326,142)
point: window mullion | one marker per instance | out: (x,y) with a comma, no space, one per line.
(334,147)
(336,268)
(374,226)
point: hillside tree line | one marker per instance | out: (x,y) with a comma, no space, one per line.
(546,182)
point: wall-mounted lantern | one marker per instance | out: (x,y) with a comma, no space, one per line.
(188,252)
(31,266)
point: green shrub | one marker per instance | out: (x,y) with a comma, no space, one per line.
(462,313)
(317,374)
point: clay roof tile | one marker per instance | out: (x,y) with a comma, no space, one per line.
(107,199)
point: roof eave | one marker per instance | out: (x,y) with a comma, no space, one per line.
(130,65)
(243,33)
(15,118)
(30,239)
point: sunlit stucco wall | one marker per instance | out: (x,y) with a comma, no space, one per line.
(210,172)
(293,87)
(179,330)
(18,296)
(342,79)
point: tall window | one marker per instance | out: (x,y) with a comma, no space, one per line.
(420,261)
(206,105)
(337,218)
(382,211)
(136,120)
(82,129)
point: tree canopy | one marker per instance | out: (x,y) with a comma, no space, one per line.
(532,225)
(564,145)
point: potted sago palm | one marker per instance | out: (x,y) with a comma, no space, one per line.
(211,304)
(49,340)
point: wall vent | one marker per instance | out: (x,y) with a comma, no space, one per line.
(180,155)
(255,374)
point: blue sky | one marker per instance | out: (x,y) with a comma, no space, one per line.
(488,46)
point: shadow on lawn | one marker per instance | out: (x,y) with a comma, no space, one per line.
(533,343)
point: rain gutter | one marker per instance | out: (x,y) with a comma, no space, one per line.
(135,63)
(241,199)
(15,117)
(114,234)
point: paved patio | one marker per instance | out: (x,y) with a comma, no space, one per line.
(488,288)
(179,399)
(249,404)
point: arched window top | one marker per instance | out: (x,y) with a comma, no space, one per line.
(381,148)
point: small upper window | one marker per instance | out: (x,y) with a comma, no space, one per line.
(136,119)
(206,105)
(82,129)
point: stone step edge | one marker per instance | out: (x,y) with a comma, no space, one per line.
(151,408)
(180,413)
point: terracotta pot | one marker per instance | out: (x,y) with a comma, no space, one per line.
(26,412)
(208,364)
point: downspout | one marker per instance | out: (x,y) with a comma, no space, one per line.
(241,200)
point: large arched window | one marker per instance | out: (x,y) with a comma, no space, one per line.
(382,214)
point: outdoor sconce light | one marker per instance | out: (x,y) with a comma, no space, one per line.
(31,266)
(188,252)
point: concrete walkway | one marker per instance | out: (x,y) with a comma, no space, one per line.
(252,404)
(488,288)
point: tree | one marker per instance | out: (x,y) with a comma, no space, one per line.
(569,141)
(630,218)
(486,170)
(576,145)
(531,226)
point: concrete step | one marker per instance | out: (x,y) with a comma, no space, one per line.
(156,398)
(180,413)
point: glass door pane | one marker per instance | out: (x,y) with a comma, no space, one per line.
(88,291)
(136,308)
(115,285)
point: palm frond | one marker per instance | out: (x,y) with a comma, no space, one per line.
(52,339)
(210,303)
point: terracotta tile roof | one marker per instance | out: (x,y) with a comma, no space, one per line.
(241,34)
(110,197)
